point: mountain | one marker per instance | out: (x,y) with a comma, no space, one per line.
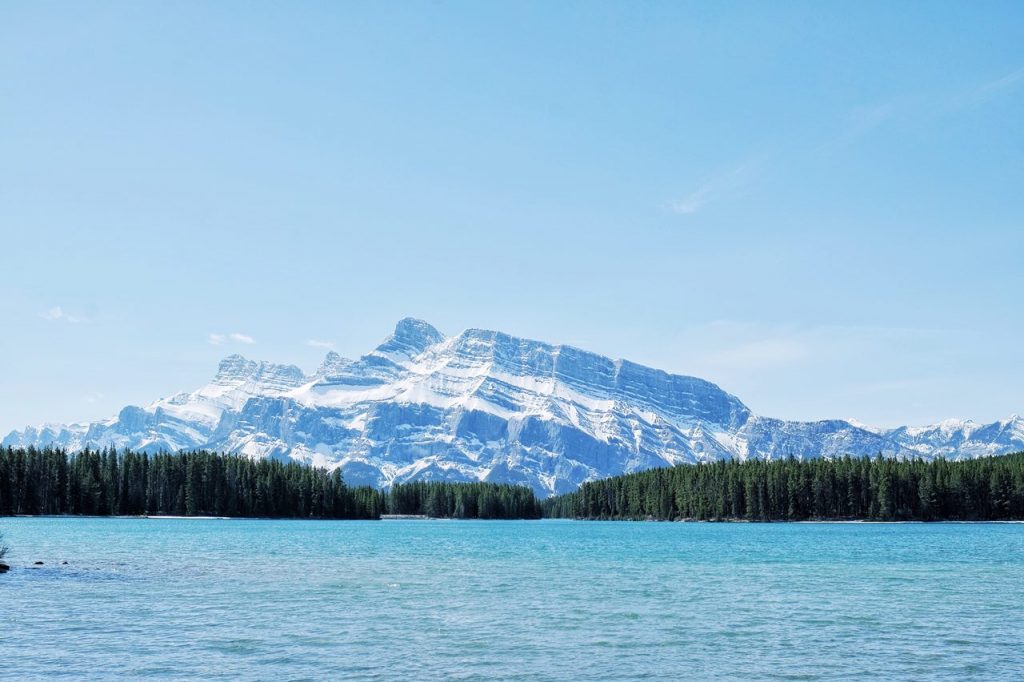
(484,405)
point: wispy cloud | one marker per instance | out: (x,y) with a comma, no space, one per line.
(727,345)
(990,88)
(93,398)
(881,374)
(889,386)
(771,352)
(317,343)
(58,314)
(714,188)
(220,339)
(859,122)
(864,119)
(694,201)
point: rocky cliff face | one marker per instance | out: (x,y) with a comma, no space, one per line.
(488,406)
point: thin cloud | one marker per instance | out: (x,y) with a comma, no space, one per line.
(859,122)
(889,386)
(863,120)
(714,189)
(220,339)
(93,398)
(762,353)
(731,344)
(58,314)
(694,201)
(990,88)
(317,343)
(723,346)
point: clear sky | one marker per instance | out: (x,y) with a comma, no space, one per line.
(818,206)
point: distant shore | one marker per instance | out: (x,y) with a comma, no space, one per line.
(418,517)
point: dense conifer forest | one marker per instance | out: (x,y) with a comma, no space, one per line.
(985,489)
(111,482)
(463,500)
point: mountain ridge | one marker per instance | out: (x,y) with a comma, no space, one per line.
(485,405)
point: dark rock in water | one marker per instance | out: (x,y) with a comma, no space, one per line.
(4,568)
(63,563)
(38,563)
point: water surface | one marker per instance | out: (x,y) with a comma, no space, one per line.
(257,599)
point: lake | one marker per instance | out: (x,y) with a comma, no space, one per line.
(408,599)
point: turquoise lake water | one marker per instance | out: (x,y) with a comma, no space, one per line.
(239,599)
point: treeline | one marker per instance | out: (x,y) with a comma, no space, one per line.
(989,488)
(111,482)
(463,500)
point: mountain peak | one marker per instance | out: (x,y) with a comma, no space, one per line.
(234,366)
(411,337)
(409,327)
(332,364)
(237,368)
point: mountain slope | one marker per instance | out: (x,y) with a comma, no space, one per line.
(484,405)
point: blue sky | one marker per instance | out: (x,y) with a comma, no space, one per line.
(818,206)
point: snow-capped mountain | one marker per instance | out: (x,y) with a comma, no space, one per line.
(488,406)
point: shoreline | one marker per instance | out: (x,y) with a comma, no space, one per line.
(411,517)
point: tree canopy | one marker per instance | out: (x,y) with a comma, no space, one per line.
(987,488)
(201,483)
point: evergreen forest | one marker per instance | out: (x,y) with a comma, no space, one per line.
(881,489)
